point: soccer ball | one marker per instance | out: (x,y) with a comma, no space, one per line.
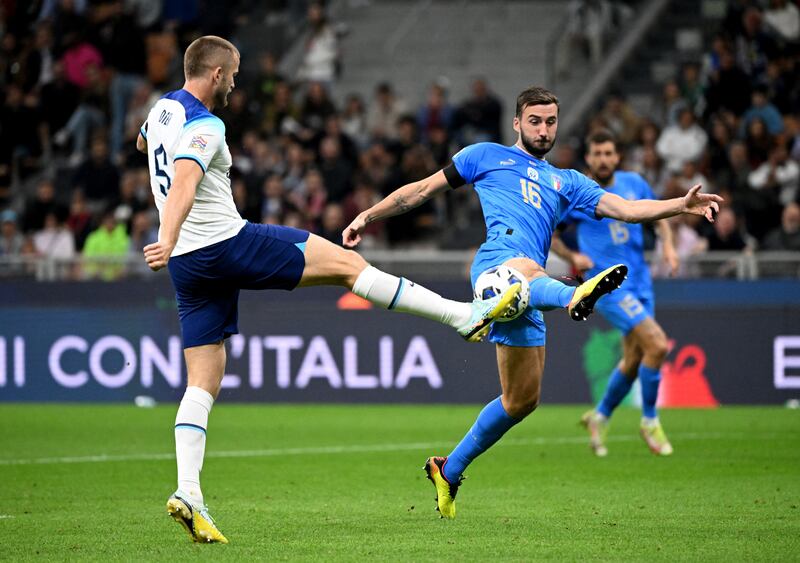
(495,281)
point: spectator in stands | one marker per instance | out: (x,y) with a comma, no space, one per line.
(725,234)
(759,141)
(43,203)
(332,223)
(98,178)
(690,176)
(670,105)
(647,137)
(621,118)
(778,173)
(783,18)
(314,197)
(681,142)
(692,88)
(317,107)
(764,110)
(143,232)
(728,87)
(88,117)
(11,240)
(20,143)
(267,80)
(79,220)
(273,200)
(753,44)
(363,197)
(348,149)
(436,112)
(384,113)
(58,100)
(335,169)
(236,116)
(280,111)
(56,244)
(588,23)
(106,248)
(354,120)
(478,117)
(787,236)
(321,58)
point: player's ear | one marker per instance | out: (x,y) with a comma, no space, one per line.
(516,124)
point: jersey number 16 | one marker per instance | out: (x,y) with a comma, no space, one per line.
(530,193)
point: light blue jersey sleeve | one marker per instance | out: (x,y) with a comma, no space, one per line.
(645,191)
(584,194)
(468,160)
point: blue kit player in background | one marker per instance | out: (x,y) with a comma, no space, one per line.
(212,253)
(524,198)
(630,309)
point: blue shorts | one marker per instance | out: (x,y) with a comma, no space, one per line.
(528,329)
(626,307)
(207,280)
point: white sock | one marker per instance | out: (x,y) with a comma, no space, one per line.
(190,439)
(399,294)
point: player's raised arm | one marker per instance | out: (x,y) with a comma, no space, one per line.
(693,203)
(180,199)
(396,203)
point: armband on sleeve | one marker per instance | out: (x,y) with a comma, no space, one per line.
(453,177)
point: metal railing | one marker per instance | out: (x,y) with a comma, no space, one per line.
(415,263)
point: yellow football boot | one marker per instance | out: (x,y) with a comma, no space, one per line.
(587,294)
(195,519)
(445,490)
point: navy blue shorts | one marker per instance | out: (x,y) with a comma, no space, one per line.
(207,281)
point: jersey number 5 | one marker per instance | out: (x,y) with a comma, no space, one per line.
(530,193)
(160,172)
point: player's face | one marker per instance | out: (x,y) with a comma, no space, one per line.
(603,160)
(226,83)
(537,127)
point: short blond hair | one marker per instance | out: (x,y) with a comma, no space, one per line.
(206,53)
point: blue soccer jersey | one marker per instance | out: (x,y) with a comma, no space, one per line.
(608,241)
(523,199)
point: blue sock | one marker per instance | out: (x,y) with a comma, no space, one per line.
(491,424)
(547,293)
(618,386)
(649,378)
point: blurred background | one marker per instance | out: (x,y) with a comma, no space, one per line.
(338,103)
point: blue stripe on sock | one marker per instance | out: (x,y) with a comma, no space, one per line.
(187,426)
(398,293)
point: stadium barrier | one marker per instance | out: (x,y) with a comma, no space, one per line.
(731,343)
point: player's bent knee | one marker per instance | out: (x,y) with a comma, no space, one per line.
(657,348)
(520,407)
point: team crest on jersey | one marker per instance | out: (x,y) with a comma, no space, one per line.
(533,174)
(556,182)
(198,142)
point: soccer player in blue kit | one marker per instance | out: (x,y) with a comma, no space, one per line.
(605,242)
(523,199)
(212,253)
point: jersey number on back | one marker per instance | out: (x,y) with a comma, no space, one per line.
(530,193)
(619,232)
(160,172)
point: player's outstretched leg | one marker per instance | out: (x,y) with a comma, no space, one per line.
(586,295)
(653,342)
(328,264)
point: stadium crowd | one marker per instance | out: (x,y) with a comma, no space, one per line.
(77,78)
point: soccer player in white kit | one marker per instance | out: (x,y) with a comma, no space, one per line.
(212,253)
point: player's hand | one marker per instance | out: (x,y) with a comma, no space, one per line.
(581,262)
(157,254)
(351,236)
(696,203)
(671,259)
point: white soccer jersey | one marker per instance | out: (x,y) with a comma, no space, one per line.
(178,127)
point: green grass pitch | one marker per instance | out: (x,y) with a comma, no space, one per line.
(321,483)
